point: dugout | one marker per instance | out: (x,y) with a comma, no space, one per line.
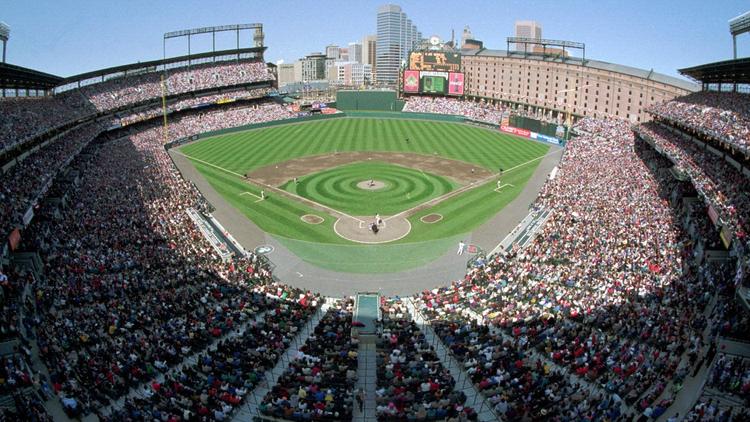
(368,101)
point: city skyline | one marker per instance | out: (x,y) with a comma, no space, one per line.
(66,38)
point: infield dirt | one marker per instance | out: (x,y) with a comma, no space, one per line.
(279,173)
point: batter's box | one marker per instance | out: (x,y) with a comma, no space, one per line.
(501,187)
(366,225)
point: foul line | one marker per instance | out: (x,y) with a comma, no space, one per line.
(208,164)
(275,189)
(309,201)
(531,161)
(499,188)
(463,189)
(260,198)
(435,200)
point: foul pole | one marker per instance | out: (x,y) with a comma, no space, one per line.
(164,108)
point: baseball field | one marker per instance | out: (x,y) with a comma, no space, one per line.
(318,186)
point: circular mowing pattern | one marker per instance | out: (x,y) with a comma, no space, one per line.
(341,188)
(431,218)
(312,219)
(370,185)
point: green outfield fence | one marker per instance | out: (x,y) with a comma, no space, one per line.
(368,101)
(549,129)
(410,116)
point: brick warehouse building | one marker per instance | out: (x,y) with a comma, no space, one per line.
(559,85)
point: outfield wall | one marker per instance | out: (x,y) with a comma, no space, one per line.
(368,101)
(410,116)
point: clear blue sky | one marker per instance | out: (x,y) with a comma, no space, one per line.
(67,37)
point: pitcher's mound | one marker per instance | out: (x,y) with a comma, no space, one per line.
(371,185)
(358,229)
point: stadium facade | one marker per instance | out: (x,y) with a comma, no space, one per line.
(546,85)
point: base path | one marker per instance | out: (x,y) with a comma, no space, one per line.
(295,272)
(279,173)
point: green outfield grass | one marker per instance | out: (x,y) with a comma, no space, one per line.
(404,188)
(223,158)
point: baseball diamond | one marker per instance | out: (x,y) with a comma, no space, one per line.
(314,168)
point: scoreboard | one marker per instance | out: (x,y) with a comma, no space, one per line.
(440,61)
(435,73)
(429,82)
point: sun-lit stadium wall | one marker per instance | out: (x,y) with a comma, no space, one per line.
(596,89)
(368,101)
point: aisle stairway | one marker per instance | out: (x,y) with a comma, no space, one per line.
(250,408)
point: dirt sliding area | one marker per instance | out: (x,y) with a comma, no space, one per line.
(369,229)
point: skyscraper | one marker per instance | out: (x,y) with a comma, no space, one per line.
(355,52)
(397,36)
(369,50)
(527,29)
(333,52)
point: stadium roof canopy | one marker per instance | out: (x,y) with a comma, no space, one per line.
(154,65)
(17,77)
(595,64)
(735,71)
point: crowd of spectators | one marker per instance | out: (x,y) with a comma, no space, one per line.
(127,118)
(29,178)
(412,383)
(27,408)
(221,378)
(722,185)
(22,118)
(726,393)
(480,111)
(603,292)
(118,92)
(731,375)
(131,286)
(196,122)
(724,116)
(319,382)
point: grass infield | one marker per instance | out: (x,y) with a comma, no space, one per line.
(219,159)
(404,188)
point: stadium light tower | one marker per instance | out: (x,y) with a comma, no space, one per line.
(4,35)
(737,26)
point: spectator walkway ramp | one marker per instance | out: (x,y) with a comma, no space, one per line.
(473,398)
(367,382)
(249,410)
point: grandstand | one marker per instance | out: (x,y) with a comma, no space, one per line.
(622,294)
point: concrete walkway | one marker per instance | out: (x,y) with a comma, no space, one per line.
(250,409)
(474,399)
(367,381)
